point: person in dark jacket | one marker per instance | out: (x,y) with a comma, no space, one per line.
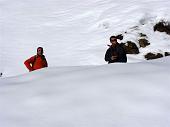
(116,52)
(37,61)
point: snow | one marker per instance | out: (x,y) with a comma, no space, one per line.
(121,95)
(79,89)
(73,32)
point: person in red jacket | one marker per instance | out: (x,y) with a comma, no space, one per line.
(36,62)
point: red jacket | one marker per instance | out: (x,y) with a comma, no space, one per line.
(36,62)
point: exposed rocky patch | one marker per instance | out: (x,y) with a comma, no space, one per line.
(150,56)
(142,35)
(167,53)
(162,26)
(143,42)
(130,47)
(120,37)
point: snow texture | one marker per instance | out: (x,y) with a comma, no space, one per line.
(79,89)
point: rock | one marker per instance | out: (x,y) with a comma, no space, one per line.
(143,42)
(130,47)
(167,53)
(120,37)
(142,35)
(150,56)
(162,27)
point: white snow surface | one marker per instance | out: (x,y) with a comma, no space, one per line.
(74,32)
(114,95)
(79,89)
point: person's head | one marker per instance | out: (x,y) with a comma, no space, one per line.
(113,40)
(40,51)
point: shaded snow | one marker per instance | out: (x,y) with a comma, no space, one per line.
(121,95)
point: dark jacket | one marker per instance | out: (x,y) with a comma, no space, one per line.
(117,50)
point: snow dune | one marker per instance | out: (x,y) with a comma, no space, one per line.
(120,95)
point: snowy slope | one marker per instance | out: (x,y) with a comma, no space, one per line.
(79,89)
(119,95)
(75,32)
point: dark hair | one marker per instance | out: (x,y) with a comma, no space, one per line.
(112,37)
(120,37)
(41,49)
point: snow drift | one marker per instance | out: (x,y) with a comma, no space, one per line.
(120,95)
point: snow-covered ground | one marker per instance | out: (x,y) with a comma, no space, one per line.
(119,95)
(79,89)
(75,32)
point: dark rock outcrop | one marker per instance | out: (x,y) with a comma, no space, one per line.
(143,42)
(167,53)
(120,37)
(142,35)
(130,47)
(150,56)
(162,27)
